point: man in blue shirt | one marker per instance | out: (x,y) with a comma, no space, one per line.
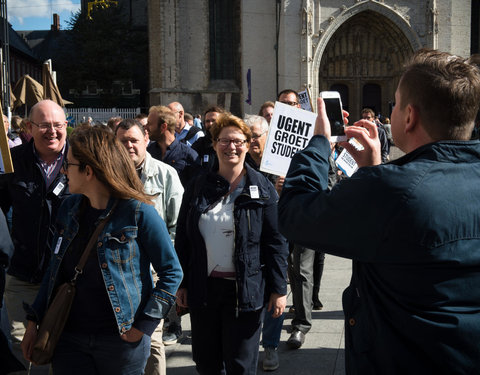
(184,132)
(161,129)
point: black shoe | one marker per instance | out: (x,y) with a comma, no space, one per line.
(317,305)
(296,340)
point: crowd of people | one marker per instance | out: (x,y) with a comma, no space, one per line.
(189,223)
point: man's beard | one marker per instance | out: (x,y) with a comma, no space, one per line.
(159,138)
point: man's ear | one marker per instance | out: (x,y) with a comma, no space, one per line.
(413,117)
(163,127)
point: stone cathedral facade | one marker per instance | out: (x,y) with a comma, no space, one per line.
(202,51)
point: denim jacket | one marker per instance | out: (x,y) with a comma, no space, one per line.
(133,238)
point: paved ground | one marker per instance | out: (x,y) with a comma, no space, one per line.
(323,351)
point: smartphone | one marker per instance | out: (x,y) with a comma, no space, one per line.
(333,105)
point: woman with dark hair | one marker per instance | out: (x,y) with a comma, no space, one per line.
(116,307)
(233,256)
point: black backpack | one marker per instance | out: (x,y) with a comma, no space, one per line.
(191,133)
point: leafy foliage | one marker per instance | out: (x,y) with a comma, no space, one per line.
(102,49)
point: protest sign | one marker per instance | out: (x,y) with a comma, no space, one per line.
(290,131)
(7,165)
(346,163)
(305,102)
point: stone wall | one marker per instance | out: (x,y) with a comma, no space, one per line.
(179,47)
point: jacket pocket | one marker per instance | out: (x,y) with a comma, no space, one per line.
(122,245)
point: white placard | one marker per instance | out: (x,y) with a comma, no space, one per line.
(346,163)
(290,131)
(305,102)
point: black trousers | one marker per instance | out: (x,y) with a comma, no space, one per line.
(222,342)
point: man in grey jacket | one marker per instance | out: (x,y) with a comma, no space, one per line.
(161,181)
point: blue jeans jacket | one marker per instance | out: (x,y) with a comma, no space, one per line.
(133,238)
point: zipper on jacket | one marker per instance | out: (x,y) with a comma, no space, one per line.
(235,263)
(248,218)
(236,298)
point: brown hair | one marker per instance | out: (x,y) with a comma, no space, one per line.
(98,148)
(446,91)
(130,123)
(165,115)
(214,108)
(225,120)
(113,122)
(369,111)
(288,91)
(266,105)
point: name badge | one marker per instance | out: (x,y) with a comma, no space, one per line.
(57,247)
(254,192)
(58,189)
(205,158)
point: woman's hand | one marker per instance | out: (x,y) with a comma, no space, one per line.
(277,304)
(29,340)
(182,297)
(132,335)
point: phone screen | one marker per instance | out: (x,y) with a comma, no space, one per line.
(335,115)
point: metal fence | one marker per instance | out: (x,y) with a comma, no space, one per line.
(76,116)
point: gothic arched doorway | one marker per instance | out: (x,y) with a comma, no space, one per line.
(366,55)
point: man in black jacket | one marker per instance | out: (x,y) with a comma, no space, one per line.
(34,191)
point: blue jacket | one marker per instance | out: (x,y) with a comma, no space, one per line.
(34,211)
(412,228)
(133,238)
(178,155)
(260,250)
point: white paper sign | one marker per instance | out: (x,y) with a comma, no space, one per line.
(346,163)
(305,100)
(290,131)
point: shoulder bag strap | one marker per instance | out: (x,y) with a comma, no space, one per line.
(91,242)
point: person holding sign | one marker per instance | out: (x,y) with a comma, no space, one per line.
(410,226)
(35,191)
(232,254)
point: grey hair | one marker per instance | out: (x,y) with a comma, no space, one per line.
(251,120)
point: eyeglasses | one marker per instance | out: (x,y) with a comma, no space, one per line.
(66,164)
(256,136)
(287,102)
(46,126)
(224,142)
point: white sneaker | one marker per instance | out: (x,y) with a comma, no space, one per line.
(270,362)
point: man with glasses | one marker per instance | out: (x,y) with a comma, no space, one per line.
(34,191)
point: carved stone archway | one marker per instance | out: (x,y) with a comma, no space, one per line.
(368,50)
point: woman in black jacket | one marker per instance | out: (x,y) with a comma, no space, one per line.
(233,257)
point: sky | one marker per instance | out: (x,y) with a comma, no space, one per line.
(38,14)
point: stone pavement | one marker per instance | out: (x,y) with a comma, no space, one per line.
(323,351)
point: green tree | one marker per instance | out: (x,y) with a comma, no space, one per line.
(103,49)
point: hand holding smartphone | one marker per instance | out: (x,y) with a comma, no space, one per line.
(333,107)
